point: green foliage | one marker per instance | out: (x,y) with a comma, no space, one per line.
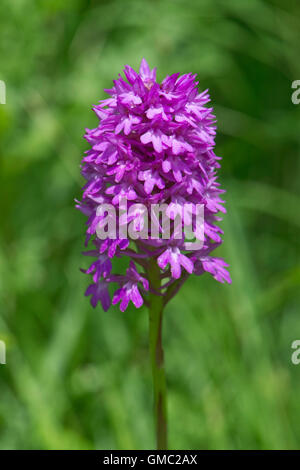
(79,378)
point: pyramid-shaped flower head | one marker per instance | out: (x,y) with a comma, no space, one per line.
(153,148)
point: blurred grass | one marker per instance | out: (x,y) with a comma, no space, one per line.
(78,378)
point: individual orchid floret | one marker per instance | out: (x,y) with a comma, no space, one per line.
(99,293)
(129,288)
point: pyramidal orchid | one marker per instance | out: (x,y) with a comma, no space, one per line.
(150,172)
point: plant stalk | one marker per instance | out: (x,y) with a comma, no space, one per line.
(157,358)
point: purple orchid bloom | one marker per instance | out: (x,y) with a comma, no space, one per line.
(154,144)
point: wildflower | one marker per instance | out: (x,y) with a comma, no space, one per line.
(154,144)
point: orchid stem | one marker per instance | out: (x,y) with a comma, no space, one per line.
(157,358)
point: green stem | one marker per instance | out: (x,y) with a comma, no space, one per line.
(157,358)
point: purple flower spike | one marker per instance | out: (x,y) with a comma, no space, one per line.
(154,145)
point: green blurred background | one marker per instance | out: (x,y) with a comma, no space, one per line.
(80,378)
